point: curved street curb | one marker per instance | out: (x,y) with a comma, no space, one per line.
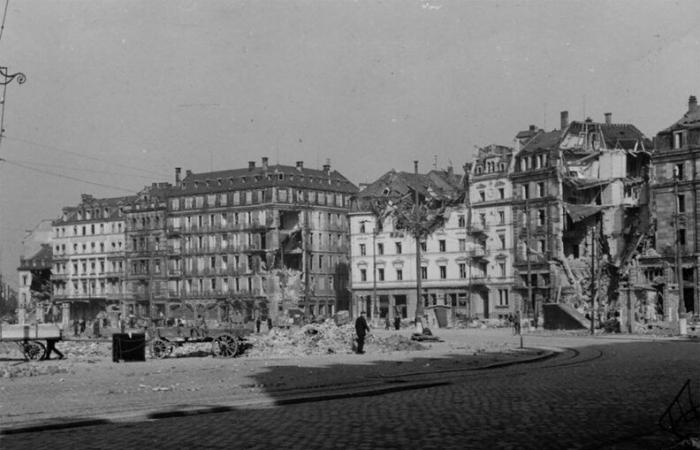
(368,390)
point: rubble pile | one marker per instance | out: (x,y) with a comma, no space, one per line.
(321,339)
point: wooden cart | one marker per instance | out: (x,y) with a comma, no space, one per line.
(225,342)
(29,337)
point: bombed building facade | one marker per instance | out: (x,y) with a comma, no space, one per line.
(579,193)
(261,240)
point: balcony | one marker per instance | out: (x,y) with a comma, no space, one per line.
(476,253)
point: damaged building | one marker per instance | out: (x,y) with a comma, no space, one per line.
(666,282)
(260,241)
(384,254)
(579,206)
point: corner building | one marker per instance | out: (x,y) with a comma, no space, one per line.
(258,241)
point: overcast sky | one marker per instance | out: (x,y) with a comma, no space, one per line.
(119,93)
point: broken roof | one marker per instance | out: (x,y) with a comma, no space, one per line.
(543,140)
(436,184)
(581,212)
(617,135)
(41,260)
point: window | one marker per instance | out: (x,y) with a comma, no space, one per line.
(541,217)
(399,274)
(380,249)
(482,196)
(678,172)
(363,274)
(501,193)
(443,272)
(380,274)
(677,139)
(501,217)
(681,203)
(363,250)
(462,270)
(462,245)
(502,240)
(681,236)
(482,219)
(502,270)
(442,245)
(398,248)
(362,227)
(503,297)
(541,246)
(461,222)
(424,246)
(423,272)
(540,189)
(526,191)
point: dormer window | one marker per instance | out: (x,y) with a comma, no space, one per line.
(195,184)
(280,176)
(219,182)
(256,178)
(478,170)
(243,179)
(501,167)
(677,139)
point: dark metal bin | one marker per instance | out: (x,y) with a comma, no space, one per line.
(128,347)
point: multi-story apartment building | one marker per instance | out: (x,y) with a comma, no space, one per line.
(145,242)
(673,256)
(89,258)
(576,189)
(34,300)
(383,254)
(262,239)
(491,225)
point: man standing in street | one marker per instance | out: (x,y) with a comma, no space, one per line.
(361,328)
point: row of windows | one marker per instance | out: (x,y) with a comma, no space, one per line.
(481,271)
(257,196)
(90,247)
(96,213)
(442,246)
(89,229)
(89,267)
(223,219)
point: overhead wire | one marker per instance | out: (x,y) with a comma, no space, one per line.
(83,155)
(58,166)
(68,177)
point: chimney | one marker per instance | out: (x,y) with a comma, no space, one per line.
(326,168)
(564,115)
(533,128)
(251,165)
(264,162)
(177,176)
(692,104)
(608,118)
(415,167)
(300,165)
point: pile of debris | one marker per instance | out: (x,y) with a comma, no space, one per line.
(321,339)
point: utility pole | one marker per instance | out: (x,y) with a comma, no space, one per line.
(593,279)
(530,301)
(374,269)
(419,284)
(679,268)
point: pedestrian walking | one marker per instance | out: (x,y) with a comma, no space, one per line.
(516,323)
(76,327)
(397,322)
(82,326)
(257,325)
(387,323)
(96,328)
(51,348)
(269,323)
(361,328)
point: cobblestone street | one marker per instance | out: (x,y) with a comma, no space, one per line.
(601,393)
